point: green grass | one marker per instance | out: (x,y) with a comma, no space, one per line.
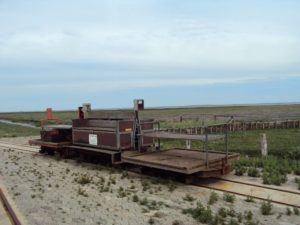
(281,142)
(190,123)
(273,169)
(254,109)
(16,131)
(67,116)
(64,117)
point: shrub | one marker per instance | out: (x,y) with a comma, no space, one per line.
(82,192)
(288,211)
(233,222)
(151,221)
(297,181)
(297,170)
(296,211)
(153,205)
(250,222)
(146,185)
(171,186)
(266,207)
(253,172)
(228,197)
(213,198)
(144,201)
(231,212)
(240,217)
(135,198)
(122,193)
(83,179)
(273,176)
(222,212)
(188,198)
(279,216)
(200,213)
(124,175)
(177,222)
(248,215)
(249,198)
(218,220)
(240,170)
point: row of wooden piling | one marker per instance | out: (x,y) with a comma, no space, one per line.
(237,126)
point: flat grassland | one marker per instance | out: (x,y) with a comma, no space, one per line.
(291,111)
(7,130)
(280,141)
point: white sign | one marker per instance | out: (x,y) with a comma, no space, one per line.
(93,139)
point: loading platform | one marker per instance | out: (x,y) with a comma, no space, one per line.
(184,161)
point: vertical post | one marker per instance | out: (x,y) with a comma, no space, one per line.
(158,138)
(188,144)
(137,131)
(206,147)
(118,137)
(226,142)
(49,114)
(264,145)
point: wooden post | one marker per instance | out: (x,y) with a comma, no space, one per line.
(264,145)
(206,147)
(226,143)
(188,144)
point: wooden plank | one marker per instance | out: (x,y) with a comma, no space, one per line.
(177,160)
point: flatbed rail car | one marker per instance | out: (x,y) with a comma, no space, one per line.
(123,138)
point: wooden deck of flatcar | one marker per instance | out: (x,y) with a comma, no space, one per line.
(180,160)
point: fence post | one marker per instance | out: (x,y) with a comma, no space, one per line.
(264,145)
(206,147)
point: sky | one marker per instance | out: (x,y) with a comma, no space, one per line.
(62,53)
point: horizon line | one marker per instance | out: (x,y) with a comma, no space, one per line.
(171,107)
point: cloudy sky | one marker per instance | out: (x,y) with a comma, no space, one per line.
(61,53)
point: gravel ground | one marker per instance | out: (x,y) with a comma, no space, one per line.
(52,192)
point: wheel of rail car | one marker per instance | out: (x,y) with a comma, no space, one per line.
(46,150)
(43,149)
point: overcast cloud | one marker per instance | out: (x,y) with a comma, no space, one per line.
(75,48)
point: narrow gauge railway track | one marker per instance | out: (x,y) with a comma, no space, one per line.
(259,185)
(20,145)
(10,217)
(17,147)
(255,191)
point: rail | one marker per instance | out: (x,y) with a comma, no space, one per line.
(10,211)
(255,191)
